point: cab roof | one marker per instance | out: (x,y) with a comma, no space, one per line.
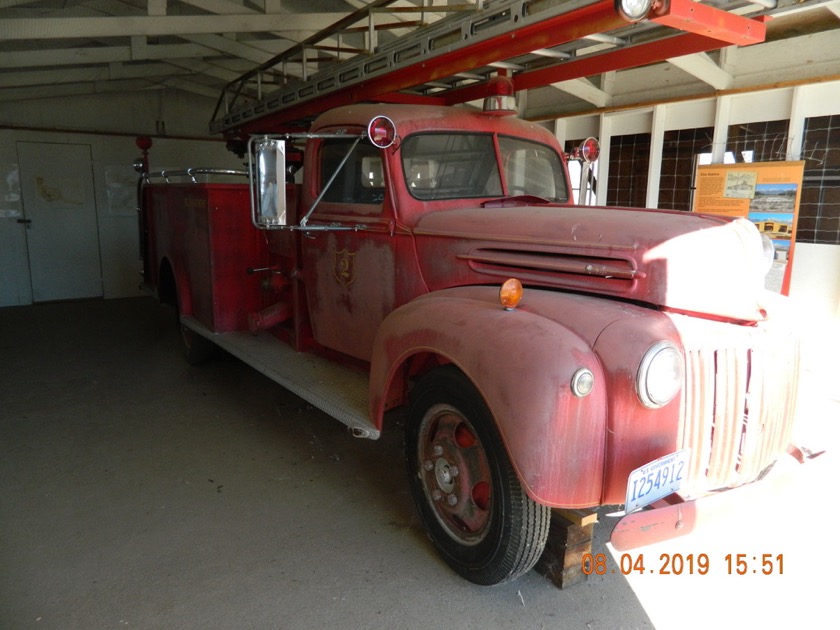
(412,118)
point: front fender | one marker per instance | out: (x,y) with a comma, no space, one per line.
(636,435)
(522,365)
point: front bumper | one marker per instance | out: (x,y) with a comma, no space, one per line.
(794,476)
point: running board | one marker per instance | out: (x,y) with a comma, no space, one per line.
(336,390)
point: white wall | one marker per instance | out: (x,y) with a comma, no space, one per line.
(114,120)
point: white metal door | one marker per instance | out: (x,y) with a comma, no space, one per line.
(59,209)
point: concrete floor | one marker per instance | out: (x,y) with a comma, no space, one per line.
(137,491)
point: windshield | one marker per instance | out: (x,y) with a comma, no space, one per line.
(450,166)
(532,169)
(463,165)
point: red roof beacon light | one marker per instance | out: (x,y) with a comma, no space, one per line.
(141,164)
(500,99)
(382,132)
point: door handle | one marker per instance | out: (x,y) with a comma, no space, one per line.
(26,222)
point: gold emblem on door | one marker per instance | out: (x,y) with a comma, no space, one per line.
(345,267)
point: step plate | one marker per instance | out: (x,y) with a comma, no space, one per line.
(334,389)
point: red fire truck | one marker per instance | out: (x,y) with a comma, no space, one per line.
(547,356)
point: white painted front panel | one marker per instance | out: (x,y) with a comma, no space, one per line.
(62,237)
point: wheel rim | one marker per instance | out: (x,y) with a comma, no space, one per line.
(455,473)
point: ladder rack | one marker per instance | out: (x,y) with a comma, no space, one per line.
(448,61)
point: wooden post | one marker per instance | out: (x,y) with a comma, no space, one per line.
(569,538)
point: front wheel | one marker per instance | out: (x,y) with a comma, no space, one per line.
(467,493)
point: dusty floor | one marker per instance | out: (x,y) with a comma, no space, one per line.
(139,492)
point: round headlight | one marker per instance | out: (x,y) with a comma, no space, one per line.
(633,10)
(660,375)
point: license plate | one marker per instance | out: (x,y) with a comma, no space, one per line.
(657,479)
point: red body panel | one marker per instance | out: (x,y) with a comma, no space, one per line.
(641,255)
(205,232)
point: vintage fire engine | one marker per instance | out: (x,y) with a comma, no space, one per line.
(377,262)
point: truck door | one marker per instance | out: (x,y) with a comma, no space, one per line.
(349,275)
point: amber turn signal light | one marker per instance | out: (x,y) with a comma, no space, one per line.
(510,294)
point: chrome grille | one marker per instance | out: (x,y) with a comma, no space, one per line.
(739,399)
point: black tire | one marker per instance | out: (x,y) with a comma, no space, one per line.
(197,349)
(467,493)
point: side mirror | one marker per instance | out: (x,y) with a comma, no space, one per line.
(268,187)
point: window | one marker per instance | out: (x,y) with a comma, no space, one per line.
(819,210)
(628,174)
(462,165)
(360,180)
(450,166)
(681,148)
(532,169)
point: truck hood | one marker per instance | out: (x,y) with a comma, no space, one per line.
(686,262)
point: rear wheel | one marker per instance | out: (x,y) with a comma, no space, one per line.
(467,493)
(197,349)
